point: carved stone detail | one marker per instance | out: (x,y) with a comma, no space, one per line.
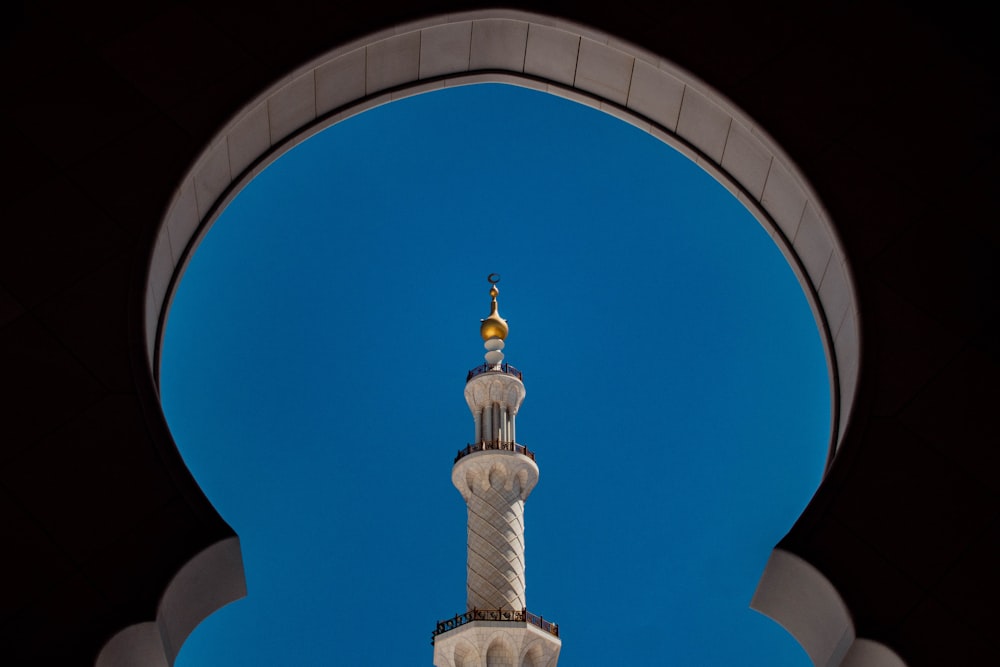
(495,485)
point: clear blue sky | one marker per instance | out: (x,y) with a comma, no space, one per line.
(316,352)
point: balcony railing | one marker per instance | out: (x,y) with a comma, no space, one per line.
(494,368)
(507,615)
(496,445)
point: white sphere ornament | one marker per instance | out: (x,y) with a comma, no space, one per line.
(493,344)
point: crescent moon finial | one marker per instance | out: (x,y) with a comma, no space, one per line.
(493,326)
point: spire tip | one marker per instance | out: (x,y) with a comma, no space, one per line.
(493,326)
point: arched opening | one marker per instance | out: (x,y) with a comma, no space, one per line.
(499,654)
(465,655)
(557,57)
(644,304)
(716,137)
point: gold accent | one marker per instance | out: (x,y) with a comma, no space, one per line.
(493,326)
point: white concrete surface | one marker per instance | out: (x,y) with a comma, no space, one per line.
(487,643)
(494,485)
(209,581)
(489,396)
(797,596)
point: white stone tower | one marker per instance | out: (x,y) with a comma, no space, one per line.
(495,474)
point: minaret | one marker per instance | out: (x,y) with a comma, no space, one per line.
(495,474)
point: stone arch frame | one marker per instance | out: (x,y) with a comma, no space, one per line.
(553,56)
(591,68)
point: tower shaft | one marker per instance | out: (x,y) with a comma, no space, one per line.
(494,474)
(495,484)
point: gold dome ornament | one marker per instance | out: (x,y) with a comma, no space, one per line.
(493,326)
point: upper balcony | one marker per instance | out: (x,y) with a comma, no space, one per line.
(495,445)
(506,369)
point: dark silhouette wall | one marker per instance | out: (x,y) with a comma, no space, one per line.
(890,111)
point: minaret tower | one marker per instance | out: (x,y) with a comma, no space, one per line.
(495,474)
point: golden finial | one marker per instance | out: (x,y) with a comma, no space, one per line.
(493,326)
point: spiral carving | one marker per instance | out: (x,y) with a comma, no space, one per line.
(495,486)
(496,550)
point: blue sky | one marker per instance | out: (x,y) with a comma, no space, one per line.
(316,352)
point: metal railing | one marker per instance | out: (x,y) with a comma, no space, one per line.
(507,615)
(497,445)
(494,368)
